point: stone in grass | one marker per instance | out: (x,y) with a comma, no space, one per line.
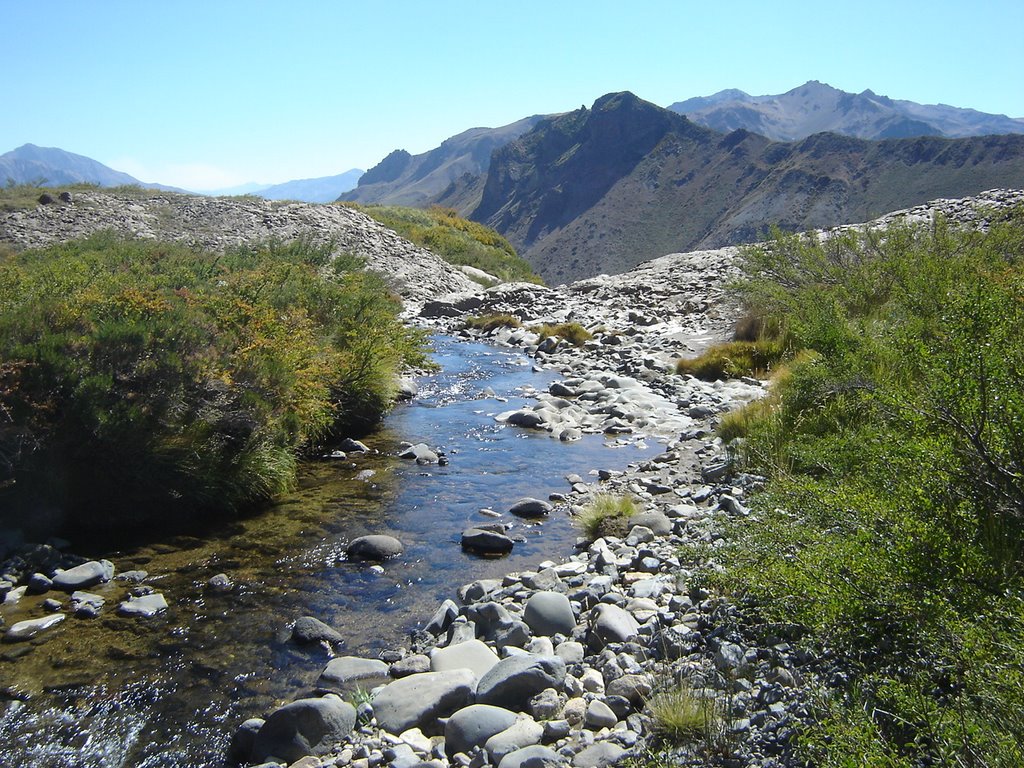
(375,547)
(530,507)
(308,629)
(304,727)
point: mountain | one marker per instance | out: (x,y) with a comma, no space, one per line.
(404,179)
(603,189)
(816,107)
(320,190)
(52,167)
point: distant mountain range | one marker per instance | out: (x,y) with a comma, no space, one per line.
(816,107)
(602,189)
(51,167)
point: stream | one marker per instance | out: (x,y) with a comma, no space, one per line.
(168,691)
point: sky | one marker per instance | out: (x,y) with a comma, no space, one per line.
(216,93)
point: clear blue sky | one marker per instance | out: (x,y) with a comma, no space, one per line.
(219,92)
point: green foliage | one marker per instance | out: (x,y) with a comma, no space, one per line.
(606,515)
(456,240)
(142,377)
(679,716)
(891,529)
(734,359)
(489,323)
(574,333)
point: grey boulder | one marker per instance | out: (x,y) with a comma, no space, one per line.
(611,624)
(304,727)
(513,681)
(308,629)
(417,701)
(345,672)
(474,725)
(485,541)
(525,732)
(530,507)
(536,756)
(473,655)
(549,613)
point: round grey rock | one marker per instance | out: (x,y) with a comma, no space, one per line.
(474,725)
(536,756)
(308,629)
(486,542)
(611,624)
(549,613)
(473,655)
(343,673)
(304,727)
(513,681)
(599,755)
(84,576)
(524,732)
(530,507)
(417,701)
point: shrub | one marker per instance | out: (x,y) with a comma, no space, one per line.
(574,333)
(489,323)
(734,359)
(679,716)
(606,515)
(143,378)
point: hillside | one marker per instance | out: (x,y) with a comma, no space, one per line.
(816,107)
(404,179)
(319,190)
(51,167)
(604,189)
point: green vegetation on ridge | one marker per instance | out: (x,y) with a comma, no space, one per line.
(891,533)
(456,240)
(143,378)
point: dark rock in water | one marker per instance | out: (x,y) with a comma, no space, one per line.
(486,542)
(421,452)
(308,629)
(442,618)
(348,445)
(418,701)
(84,576)
(220,583)
(530,507)
(513,681)
(39,584)
(243,739)
(304,727)
(51,605)
(525,418)
(133,577)
(375,547)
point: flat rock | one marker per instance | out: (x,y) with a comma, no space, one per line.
(473,655)
(29,628)
(342,674)
(145,606)
(417,701)
(375,547)
(421,453)
(304,727)
(599,755)
(524,732)
(84,576)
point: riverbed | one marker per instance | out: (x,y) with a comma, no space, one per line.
(114,692)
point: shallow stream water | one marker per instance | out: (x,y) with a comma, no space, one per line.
(168,691)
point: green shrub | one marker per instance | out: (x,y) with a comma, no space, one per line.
(457,240)
(142,378)
(679,716)
(489,323)
(892,527)
(734,359)
(606,515)
(574,333)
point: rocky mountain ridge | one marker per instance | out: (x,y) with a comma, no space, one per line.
(417,275)
(52,167)
(815,107)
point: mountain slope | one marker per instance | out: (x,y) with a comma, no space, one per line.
(601,190)
(52,167)
(320,190)
(816,107)
(404,179)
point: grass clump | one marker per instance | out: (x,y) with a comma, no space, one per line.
(574,333)
(606,515)
(492,322)
(679,716)
(892,526)
(143,379)
(734,359)
(457,240)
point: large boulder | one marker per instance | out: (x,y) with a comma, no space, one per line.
(417,701)
(611,624)
(344,673)
(374,547)
(84,576)
(549,613)
(524,732)
(513,681)
(304,727)
(308,629)
(474,725)
(486,541)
